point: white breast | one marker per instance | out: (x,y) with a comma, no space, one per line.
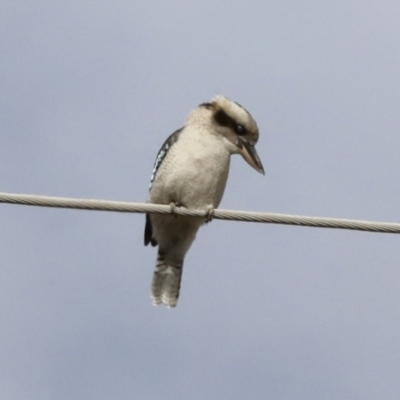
(194,172)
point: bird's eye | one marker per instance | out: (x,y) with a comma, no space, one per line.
(240,129)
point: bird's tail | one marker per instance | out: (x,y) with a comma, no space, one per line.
(166,282)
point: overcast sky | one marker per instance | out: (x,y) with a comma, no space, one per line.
(90,90)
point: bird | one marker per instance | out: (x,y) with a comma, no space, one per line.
(191,171)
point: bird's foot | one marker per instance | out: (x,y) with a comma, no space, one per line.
(210,214)
(173,206)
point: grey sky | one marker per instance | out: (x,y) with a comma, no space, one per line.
(90,90)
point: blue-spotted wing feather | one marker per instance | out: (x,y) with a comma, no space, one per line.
(163,152)
(148,230)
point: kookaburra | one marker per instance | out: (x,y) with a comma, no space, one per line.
(191,170)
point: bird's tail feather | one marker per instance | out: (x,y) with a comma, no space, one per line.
(166,282)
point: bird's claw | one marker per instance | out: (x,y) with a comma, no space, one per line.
(172,207)
(209,214)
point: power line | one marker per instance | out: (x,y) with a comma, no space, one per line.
(228,215)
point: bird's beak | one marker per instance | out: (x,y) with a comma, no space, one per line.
(249,153)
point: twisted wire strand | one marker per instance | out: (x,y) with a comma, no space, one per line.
(227,215)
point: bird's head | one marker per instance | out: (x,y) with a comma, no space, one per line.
(237,127)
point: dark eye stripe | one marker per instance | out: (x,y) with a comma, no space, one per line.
(223,119)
